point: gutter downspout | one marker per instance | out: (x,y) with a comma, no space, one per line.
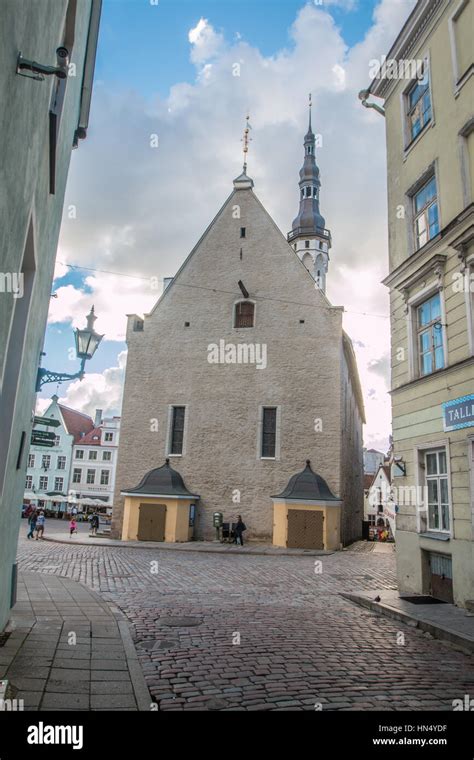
(88,76)
(363,95)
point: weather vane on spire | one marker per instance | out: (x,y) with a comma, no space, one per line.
(310,105)
(246,139)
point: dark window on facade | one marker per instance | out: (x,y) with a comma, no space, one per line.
(242,232)
(269,431)
(306,243)
(244,314)
(177,430)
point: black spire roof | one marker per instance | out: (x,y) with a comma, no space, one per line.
(307,486)
(162,481)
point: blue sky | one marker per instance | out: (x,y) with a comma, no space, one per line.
(166,68)
(145,47)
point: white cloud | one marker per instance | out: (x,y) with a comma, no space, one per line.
(206,42)
(95,391)
(145,208)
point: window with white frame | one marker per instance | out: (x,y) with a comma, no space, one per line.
(79,453)
(418,104)
(108,437)
(90,476)
(57,440)
(31,460)
(104,477)
(61,463)
(46,461)
(43,483)
(106,456)
(58,484)
(92,454)
(76,475)
(425,213)
(430,335)
(29,482)
(436,476)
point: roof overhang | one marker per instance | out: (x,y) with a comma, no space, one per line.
(188,497)
(312,502)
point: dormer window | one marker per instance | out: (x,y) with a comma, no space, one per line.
(244,314)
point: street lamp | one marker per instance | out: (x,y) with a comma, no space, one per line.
(87,341)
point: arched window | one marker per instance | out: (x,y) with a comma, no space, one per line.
(244,314)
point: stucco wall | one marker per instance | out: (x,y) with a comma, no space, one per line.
(35,29)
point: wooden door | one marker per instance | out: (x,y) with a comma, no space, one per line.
(151,522)
(305,529)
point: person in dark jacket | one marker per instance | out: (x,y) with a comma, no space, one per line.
(32,517)
(94,524)
(239,529)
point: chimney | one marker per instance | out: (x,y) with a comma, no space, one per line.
(98,417)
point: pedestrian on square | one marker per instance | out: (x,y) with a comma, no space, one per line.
(94,524)
(32,517)
(239,529)
(40,525)
(72,526)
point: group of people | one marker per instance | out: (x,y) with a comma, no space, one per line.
(37,520)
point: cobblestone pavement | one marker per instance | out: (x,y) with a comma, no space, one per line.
(301,644)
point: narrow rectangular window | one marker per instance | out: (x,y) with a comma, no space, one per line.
(242,232)
(61,463)
(419,104)
(29,482)
(58,484)
(90,476)
(177,430)
(31,460)
(76,475)
(430,335)
(437,488)
(104,478)
(425,209)
(92,454)
(107,456)
(269,416)
(43,483)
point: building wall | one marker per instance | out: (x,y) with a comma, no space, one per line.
(96,489)
(416,401)
(352,464)
(167,364)
(29,227)
(64,448)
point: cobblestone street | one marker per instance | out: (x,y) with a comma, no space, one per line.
(301,644)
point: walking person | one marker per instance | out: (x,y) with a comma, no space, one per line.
(72,526)
(40,525)
(32,517)
(94,524)
(239,529)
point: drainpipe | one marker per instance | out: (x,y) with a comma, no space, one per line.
(88,76)
(363,95)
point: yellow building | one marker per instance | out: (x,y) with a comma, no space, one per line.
(306,514)
(160,508)
(426,82)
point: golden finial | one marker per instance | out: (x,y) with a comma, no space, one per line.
(246,139)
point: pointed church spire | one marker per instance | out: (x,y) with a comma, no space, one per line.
(309,236)
(243,181)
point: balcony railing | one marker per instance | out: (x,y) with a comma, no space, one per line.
(308,232)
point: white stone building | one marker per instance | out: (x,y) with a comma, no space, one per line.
(48,469)
(93,466)
(239,375)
